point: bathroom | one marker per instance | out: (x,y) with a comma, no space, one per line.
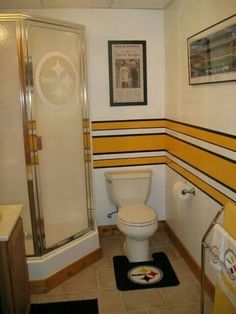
(201,110)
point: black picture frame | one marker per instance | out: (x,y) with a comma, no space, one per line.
(127,72)
(212,53)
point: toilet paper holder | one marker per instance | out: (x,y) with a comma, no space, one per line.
(188,191)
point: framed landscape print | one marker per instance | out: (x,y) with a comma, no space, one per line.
(212,53)
(127,72)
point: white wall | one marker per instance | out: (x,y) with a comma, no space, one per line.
(190,218)
(107,24)
(209,105)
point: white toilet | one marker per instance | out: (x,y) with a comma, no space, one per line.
(129,191)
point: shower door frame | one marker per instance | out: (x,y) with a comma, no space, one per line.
(26,87)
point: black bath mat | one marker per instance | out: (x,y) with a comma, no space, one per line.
(151,274)
(69,307)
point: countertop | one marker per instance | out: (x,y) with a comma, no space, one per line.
(9,214)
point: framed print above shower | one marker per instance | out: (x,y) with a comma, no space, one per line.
(127,72)
(212,53)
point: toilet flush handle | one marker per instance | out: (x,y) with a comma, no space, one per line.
(109,215)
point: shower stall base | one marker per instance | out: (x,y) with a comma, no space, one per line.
(49,270)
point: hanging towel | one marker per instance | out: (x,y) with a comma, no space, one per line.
(218,244)
(230,259)
(227,278)
(225,293)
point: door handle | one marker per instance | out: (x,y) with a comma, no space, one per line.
(35,143)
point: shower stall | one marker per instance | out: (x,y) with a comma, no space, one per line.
(45,155)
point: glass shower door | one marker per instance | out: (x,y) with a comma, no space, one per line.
(57,132)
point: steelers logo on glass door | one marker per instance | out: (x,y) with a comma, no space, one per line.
(56,79)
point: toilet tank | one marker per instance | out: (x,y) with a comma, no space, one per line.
(128,187)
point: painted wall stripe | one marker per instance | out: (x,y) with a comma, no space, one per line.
(217,167)
(204,145)
(129,143)
(202,185)
(209,153)
(125,162)
(210,181)
(221,139)
(127,124)
(129,155)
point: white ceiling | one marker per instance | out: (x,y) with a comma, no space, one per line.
(101,4)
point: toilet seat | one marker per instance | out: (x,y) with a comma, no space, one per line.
(137,215)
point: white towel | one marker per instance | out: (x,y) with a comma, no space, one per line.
(227,278)
(230,259)
(218,246)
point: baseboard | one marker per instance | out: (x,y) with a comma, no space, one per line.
(195,268)
(45,285)
(108,230)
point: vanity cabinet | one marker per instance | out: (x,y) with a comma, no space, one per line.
(14,285)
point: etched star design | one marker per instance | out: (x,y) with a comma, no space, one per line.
(58,69)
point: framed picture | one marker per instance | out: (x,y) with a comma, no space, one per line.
(212,53)
(127,73)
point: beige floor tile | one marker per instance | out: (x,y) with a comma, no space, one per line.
(170,251)
(182,271)
(83,281)
(171,310)
(104,261)
(142,299)
(187,291)
(159,239)
(208,307)
(98,281)
(112,243)
(106,278)
(109,300)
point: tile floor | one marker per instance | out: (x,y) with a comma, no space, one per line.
(98,281)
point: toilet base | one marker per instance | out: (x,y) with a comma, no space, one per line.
(137,250)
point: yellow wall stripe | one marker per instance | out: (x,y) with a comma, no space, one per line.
(216,166)
(215,194)
(133,124)
(129,162)
(216,138)
(207,136)
(213,165)
(129,143)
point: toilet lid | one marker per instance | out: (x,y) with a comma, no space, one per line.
(137,214)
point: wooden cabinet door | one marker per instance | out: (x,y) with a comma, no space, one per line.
(19,270)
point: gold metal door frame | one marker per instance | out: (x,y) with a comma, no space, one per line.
(31,157)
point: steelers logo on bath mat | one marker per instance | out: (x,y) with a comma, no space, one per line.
(145,275)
